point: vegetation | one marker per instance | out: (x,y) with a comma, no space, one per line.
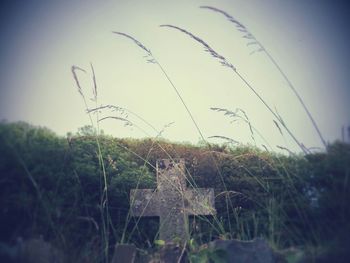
(51,186)
(74,190)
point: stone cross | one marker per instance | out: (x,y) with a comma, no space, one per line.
(171,201)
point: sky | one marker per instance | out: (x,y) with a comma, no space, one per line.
(42,40)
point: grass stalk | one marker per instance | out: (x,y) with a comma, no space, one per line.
(261,48)
(151,59)
(104,205)
(226,63)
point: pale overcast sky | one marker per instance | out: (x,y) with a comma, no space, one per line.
(41,40)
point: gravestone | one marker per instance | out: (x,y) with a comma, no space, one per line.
(172,201)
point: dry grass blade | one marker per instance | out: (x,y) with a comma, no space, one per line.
(94,90)
(240,27)
(285,149)
(229,17)
(226,111)
(207,48)
(135,41)
(237,115)
(233,114)
(230,140)
(123,112)
(278,127)
(227,193)
(126,121)
(75,76)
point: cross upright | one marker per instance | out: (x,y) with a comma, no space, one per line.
(171,201)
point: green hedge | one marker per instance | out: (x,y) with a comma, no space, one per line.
(53,186)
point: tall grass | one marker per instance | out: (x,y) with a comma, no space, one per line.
(253,41)
(104,202)
(238,225)
(226,63)
(151,59)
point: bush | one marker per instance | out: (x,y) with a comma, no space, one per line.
(54,186)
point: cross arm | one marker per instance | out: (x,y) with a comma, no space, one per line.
(200,201)
(143,202)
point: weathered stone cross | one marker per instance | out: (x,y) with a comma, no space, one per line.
(171,201)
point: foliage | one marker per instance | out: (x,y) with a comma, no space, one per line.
(51,186)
